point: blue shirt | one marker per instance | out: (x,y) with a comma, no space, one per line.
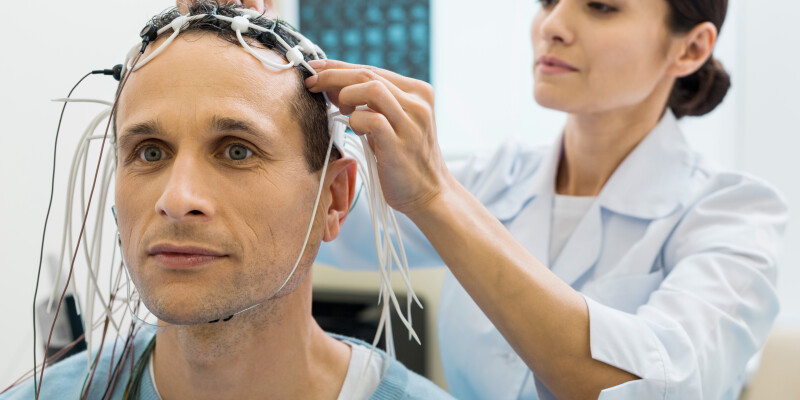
(676,259)
(64,380)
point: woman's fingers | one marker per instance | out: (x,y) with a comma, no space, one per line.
(405,84)
(378,97)
(417,103)
(399,125)
(371,123)
(258,5)
(333,81)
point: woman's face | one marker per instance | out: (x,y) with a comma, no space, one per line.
(596,56)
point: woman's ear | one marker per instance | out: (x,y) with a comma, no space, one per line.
(694,49)
(340,186)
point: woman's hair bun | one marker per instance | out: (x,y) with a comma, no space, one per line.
(699,93)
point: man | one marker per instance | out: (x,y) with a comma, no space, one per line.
(218,167)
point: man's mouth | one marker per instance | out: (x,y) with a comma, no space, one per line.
(183,257)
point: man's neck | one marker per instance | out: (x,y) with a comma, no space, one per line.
(276,350)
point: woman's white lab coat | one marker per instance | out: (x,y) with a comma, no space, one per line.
(677,262)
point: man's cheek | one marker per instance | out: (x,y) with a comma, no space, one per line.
(126,226)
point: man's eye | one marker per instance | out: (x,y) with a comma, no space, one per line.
(151,153)
(238,152)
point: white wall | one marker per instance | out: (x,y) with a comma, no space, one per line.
(754,130)
(49,45)
(767,119)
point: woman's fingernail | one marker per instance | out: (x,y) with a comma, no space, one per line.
(311,81)
(317,64)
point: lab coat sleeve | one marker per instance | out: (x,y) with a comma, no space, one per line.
(715,306)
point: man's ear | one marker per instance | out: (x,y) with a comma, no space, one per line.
(340,183)
(694,49)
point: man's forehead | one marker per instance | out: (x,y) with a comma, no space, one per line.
(212,46)
(200,73)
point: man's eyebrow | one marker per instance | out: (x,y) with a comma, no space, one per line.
(219,124)
(223,124)
(146,128)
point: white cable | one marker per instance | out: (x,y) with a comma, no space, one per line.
(308,67)
(384,208)
(259,56)
(305,45)
(313,213)
(94,270)
(70,195)
(321,52)
(382,216)
(82,209)
(72,100)
(79,155)
(250,13)
(157,51)
(176,25)
(379,212)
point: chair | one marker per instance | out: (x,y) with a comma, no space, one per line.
(778,376)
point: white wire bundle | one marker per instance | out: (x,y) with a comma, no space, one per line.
(383,219)
(92,246)
(383,223)
(240,25)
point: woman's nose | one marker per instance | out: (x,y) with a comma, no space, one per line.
(556,26)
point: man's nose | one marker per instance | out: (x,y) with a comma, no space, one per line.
(186,196)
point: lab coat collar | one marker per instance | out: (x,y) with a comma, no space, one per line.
(531,216)
(543,181)
(648,183)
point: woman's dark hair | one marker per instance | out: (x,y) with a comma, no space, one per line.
(700,92)
(311,107)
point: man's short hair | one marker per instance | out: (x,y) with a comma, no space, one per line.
(310,108)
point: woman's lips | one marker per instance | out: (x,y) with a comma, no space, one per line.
(183,257)
(549,65)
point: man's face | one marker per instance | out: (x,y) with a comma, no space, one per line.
(213,193)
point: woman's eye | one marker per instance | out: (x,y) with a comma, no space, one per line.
(547,3)
(151,153)
(603,8)
(238,152)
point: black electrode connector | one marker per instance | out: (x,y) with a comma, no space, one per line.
(115,71)
(148,34)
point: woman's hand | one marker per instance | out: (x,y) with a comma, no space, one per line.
(544,320)
(267,6)
(399,125)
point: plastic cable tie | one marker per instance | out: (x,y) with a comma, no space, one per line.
(295,56)
(240,24)
(249,12)
(178,23)
(307,47)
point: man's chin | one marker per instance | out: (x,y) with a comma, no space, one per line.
(182,312)
(173,319)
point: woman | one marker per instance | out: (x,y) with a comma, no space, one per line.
(616,263)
